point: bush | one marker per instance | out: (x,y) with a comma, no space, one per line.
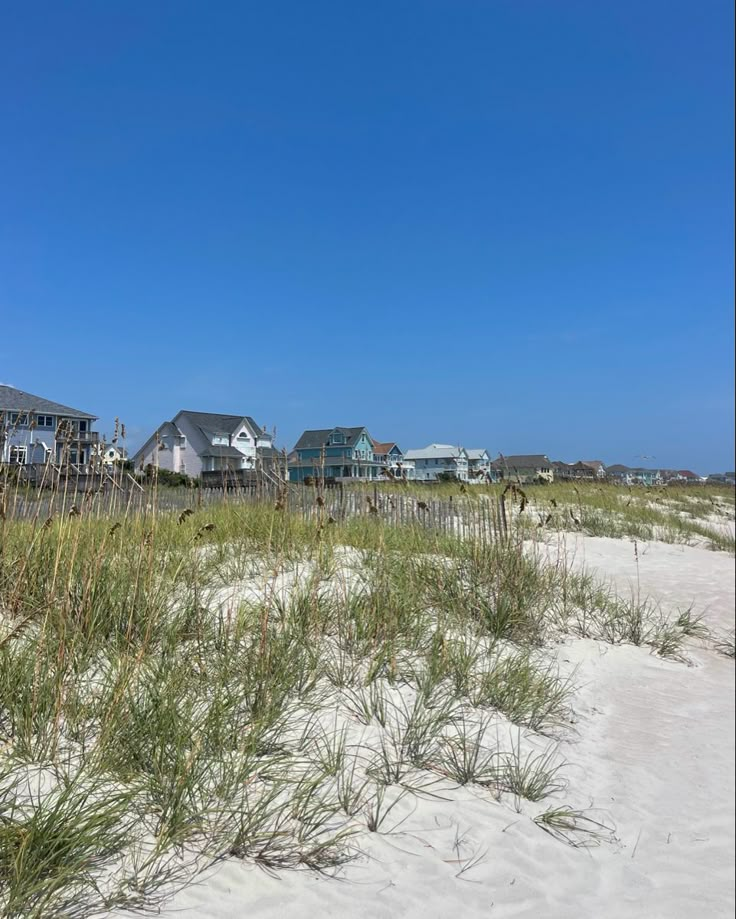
(168,478)
(447,477)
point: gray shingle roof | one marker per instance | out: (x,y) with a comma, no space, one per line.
(219,424)
(523,461)
(15,400)
(314,440)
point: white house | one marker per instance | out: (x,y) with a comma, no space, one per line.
(109,454)
(35,430)
(197,442)
(526,467)
(435,459)
(479,465)
(598,467)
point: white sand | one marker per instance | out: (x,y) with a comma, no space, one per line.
(652,753)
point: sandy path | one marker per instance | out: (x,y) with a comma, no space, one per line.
(652,752)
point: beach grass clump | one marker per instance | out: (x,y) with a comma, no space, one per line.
(466,756)
(529,691)
(532,776)
(574,827)
(726,645)
(62,850)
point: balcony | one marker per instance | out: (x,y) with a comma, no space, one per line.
(72,435)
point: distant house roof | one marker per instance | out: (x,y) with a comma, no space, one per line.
(477,453)
(687,474)
(435,451)
(583,466)
(595,464)
(618,468)
(523,461)
(314,440)
(16,400)
(383,448)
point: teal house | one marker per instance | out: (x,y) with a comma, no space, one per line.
(334,453)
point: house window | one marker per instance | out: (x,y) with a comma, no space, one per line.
(18,455)
(243,436)
(44,421)
(20,420)
(337,438)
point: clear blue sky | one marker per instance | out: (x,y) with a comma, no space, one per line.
(500,223)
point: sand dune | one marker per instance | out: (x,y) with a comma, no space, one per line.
(651,754)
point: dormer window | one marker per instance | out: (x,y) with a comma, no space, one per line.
(337,438)
(243,437)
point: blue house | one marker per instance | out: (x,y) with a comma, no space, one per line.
(626,475)
(335,453)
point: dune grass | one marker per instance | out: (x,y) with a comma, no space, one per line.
(243,682)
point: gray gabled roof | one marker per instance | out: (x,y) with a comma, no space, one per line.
(523,461)
(314,440)
(15,400)
(216,423)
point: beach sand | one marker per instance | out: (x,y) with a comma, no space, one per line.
(650,754)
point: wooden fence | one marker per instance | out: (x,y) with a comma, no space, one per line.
(468,515)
